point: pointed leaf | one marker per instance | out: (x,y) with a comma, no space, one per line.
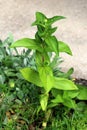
(32,76)
(69,103)
(70,93)
(54,19)
(64,84)
(46,77)
(40,19)
(58,99)
(63,47)
(52,42)
(28,43)
(40,16)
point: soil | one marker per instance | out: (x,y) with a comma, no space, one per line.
(81,81)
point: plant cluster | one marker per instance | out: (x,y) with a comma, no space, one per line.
(40,93)
(14,90)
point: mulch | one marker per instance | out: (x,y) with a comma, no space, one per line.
(81,81)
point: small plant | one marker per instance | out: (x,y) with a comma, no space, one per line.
(52,88)
(47,99)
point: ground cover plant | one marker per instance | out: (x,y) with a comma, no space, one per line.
(40,96)
(12,85)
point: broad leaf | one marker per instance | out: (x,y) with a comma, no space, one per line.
(82,92)
(64,84)
(70,93)
(44,101)
(52,43)
(66,102)
(46,77)
(32,76)
(69,103)
(63,47)
(28,43)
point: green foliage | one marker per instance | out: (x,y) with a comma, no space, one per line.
(28,43)
(49,98)
(44,44)
(82,94)
(63,47)
(15,92)
(35,79)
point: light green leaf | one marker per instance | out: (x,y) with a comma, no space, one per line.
(44,101)
(58,99)
(28,43)
(65,101)
(52,43)
(82,92)
(69,103)
(70,93)
(64,84)
(46,77)
(32,76)
(63,47)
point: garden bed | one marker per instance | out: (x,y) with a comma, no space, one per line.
(35,94)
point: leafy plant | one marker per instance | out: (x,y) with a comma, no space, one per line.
(44,45)
(21,101)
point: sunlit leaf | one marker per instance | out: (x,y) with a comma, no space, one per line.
(64,84)
(46,77)
(63,47)
(70,93)
(32,76)
(28,43)
(52,42)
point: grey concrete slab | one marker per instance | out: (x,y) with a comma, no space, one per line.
(16,16)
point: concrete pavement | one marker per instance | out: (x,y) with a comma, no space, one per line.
(16,16)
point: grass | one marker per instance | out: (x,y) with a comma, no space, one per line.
(22,115)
